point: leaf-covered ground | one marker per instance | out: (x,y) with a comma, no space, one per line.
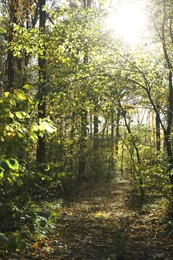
(102,223)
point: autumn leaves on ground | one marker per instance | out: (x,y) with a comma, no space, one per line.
(103,222)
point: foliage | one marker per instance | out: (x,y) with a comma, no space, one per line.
(31,220)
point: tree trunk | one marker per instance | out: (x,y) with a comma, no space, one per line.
(41,87)
(111,158)
(117,129)
(83,115)
(82,146)
(12,5)
(87,3)
(96,143)
(168,142)
(96,127)
(157,133)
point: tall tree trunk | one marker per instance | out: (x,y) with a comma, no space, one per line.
(83,115)
(12,6)
(117,129)
(111,157)
(91,125)
(12,10)
(96,143)
(157,133)
(82,146)
(96,126)
(87,3)
(41,87)
(168,59)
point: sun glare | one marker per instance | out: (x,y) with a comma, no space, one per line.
(128,22)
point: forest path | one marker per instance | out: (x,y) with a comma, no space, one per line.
(99,224)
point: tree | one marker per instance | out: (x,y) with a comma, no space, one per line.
(42,86)
(163,26)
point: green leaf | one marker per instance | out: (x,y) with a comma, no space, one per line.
(1,172)
(28,87)
(21,115)
(44,166)
(9,164)
(54,213)
(2,31)
(34,127)
(13,164)
(21,95)
(10,115)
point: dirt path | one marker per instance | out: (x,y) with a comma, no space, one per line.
(99,224)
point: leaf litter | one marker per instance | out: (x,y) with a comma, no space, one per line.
(100,223)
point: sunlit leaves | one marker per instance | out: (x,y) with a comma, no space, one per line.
(1,172)
(10,164)
(9,170)
(47,125)
(28,87)
(21,115)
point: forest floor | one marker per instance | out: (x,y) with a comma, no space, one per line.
(103,222)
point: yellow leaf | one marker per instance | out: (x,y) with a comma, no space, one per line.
(35,245)
(6,94)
